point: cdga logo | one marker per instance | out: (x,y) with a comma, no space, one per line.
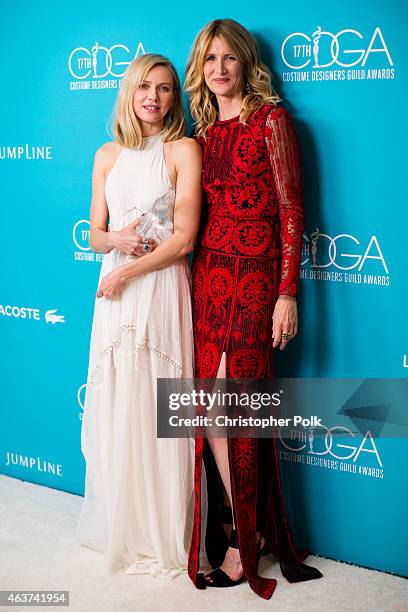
(99,62)
(323,49)
(325,446)
(323,251)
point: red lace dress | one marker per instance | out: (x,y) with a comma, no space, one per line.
(249,253)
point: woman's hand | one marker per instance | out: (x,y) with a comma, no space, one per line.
(129,242)
(285,321)
(112,284)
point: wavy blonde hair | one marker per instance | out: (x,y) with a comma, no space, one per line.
(126,126)
(258,88)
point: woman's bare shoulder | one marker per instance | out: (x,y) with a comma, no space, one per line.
(108,149)
(106,155)
(185,141)
(185,147)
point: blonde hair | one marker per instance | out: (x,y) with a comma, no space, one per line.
(258,88)
(127,129)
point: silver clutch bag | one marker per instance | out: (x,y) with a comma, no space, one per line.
(155,224)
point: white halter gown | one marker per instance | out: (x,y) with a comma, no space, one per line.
(137,509)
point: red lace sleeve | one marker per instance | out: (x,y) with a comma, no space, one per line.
(284,154)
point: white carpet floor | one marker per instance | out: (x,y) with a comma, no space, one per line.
(38,552)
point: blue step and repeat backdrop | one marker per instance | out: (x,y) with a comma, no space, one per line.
(340,69)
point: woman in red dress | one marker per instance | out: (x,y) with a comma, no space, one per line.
(245,279)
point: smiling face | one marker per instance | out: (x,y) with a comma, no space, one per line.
(153,98)
(223,71)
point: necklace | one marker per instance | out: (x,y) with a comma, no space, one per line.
(157,134)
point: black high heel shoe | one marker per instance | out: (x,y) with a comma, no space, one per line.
(218,577)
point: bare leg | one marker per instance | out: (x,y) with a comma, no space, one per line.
(219,446)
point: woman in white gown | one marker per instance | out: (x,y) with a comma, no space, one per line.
(137,509)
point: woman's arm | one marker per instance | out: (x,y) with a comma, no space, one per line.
(284,156)
(187,154)
(100,239)
(285,160)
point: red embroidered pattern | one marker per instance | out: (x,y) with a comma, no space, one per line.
(255,291)
(285,162)
(252,238)
(220,286)
(247,363)
(248,255)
